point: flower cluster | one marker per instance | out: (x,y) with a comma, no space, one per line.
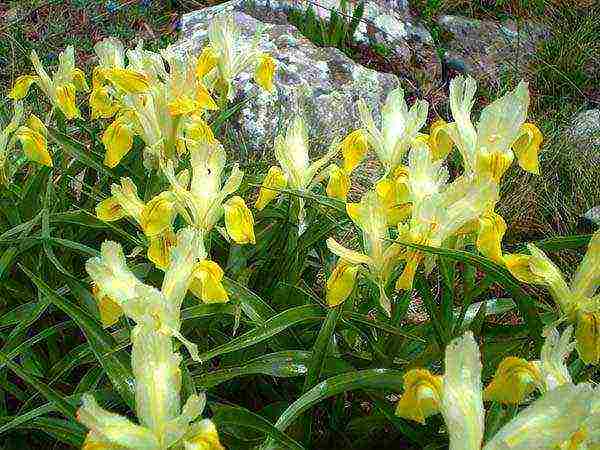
(418,199)
(163,423)
(565,416)
(59,90)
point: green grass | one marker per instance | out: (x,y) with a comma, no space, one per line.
(337,31)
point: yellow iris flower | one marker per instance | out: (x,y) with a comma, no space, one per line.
(353,148)
(202,199)
(341,282)
(60,89)
(32,136)
(155,365)
(422,395)
(227,57)
(155,218)
(273,182)
(338,185)
(295,170)
(151,102)
(380,257)
(577,301)
(265,71)
(239,220)
(548,422)
(207,282)
(501,133)
(438,210)
(515,379)
(399,128)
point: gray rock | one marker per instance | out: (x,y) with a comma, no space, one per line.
(593,215)
(321,84)
(385,22)
(489,50)
(585,129)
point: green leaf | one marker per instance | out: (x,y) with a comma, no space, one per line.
(69,432)
(362,379)
(321,348)
(50,394)
(502,276)
(285,364)
(257,310)
(273,326)
(116,366)
(560,243)
(237,416)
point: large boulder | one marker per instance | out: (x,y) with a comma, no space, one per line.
(321,84)
(585,129)
(388,24)
(490,50)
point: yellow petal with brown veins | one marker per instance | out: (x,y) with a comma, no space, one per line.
(117,139)
(354,147)
(110,210)
(34,145)
(159,249)
(127,80)
(207,60)
(65,98)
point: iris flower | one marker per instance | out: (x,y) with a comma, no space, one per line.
(31,133)
(353,148)
(146,100)
(295,170)
(439,210)
(578,301)
(228,54)
(60,89)
(548,422)
(400,126)
(161,98)
(163,424)
(380,257)
(488,148)
(204,198)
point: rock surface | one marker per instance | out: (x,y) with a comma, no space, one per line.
(593,215)
(388,23)
(585,129)
(321,84)
(489,50)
